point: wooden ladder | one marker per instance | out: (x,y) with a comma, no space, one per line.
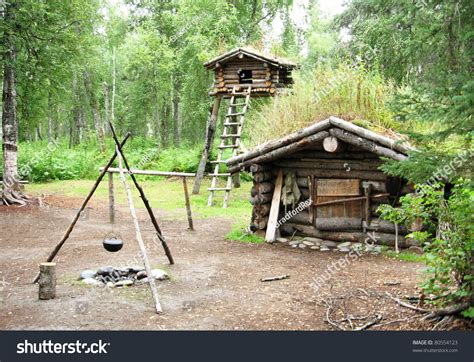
(230,125)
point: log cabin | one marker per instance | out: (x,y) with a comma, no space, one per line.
(333,167)
(246,67)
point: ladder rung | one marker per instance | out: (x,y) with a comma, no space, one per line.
(222,161)
(230,135)
(228,146)
(219,174)
(231,123)
(238,104)
(218,189)
(235,114)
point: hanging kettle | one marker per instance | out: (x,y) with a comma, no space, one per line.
(112,242)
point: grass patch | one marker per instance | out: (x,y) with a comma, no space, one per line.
(353,93)
(238,233)
(405,256)
(164,195)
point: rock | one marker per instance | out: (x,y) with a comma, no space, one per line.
(93,282)
(159,274)
(141,275)
(135,269)
(124,283)
(294,242)
(314,247)
(294,245)
(344,249)
(105,270)
(329,243)
(281,240)
(324,248)
(345,244)
(308,243)
(315,241)
(302,246)
(86,274)
(110,285)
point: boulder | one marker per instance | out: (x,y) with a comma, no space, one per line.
(85,274)
(329,243)
(93,282)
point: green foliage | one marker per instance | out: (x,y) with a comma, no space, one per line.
(425,45)
(448,238)
(347,91)
(405,256)
(238,233)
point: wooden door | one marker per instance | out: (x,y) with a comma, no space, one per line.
(344,215)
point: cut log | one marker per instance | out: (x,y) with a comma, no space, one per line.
(400,146)
(300,218)
(262,188)
(47,281)
(261,223)
(273,218)
(340,165)
(332,144)
(258,168)
(261,199)
(259,177)
(262,210)
(338,223)
(366,144)
(342,156)
(386,226)
(341,174)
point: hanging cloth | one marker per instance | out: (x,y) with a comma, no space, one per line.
(290,194)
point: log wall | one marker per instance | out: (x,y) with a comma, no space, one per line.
(349,163)
(266,77)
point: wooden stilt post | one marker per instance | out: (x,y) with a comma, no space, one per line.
(188,204)
(47,281)
(83,206)
(144,199)
(146,263)
(211,130)
(111,198)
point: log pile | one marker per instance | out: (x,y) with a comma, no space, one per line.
(261,195)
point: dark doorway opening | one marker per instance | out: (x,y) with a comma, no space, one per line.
(245,76)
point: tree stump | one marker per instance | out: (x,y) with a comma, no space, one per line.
(47,281)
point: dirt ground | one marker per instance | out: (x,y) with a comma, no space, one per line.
(215,283)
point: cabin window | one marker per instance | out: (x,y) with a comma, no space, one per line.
(245,76)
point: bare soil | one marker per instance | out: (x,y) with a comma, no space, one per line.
(215,283)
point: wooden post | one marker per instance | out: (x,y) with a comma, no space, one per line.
(83,206)
(273,218)
(146,263)
(188,204)
(211,129)
(111,198)
(47,281)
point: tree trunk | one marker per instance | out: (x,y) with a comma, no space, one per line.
(175,101)
(57,127)
(50,119)
(11,193)
(99,127)
(164,125)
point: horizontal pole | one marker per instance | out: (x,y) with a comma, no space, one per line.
(151,173)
